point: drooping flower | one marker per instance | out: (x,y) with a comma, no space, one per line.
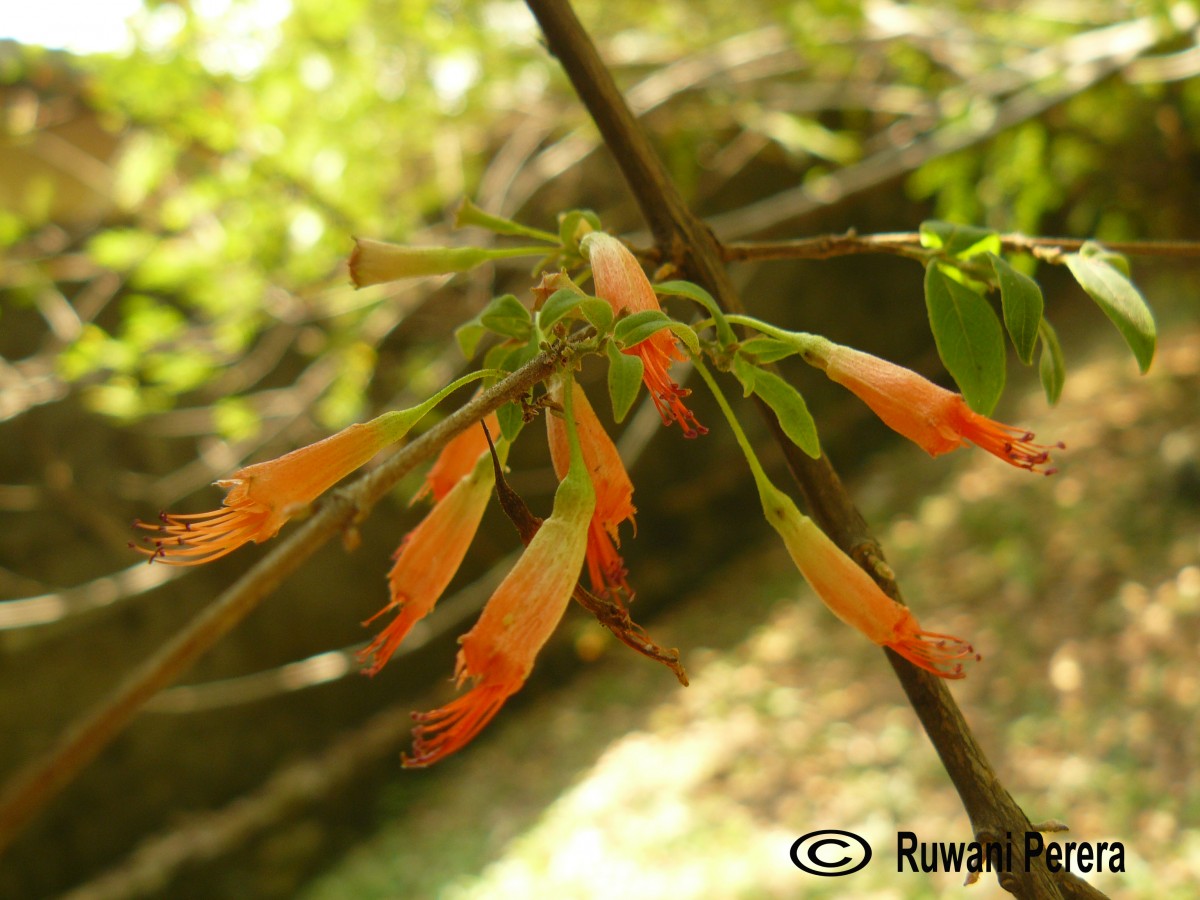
(498,654)
(932,417)
(262,497)
(621,281)
(427,560)
(614,490)
(853,596)
(457,459)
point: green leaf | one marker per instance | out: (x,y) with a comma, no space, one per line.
(699,295)
(562,303)
(791,410)
(635,328)
(1120,300)
(969,338)
(624,381)
(468,335)
(1051,367)
(517,356)
(506,315)
(598,313)
(960,241)
(512,419)
(557,306)
(746,372)
(1022,301)
(1099,251)
(573,225)
(687,334)
(767,349)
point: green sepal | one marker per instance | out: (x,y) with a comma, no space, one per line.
(969,338)
(470,214)
(624,380)
(1021,300)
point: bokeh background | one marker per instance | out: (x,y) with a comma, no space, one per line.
(177,198)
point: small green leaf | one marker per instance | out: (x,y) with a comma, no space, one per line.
(1121,301)
(1022,301)
(746,372)
(699,295)
(557,306)
(518,356)
(507,316)
(960,241)
(767,349)
(1051,367)
(573,225)
(791,410)
(969,338)
(468,335)
(624,380)
(635,328)
(1099,251)
(512,419)
(598,313)
(687,334)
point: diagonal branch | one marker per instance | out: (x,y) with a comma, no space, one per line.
(687,242)
(33,787)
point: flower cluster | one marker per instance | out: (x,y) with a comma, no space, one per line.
(594,495)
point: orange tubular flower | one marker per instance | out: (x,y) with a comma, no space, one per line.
(932,417)
(262,497)
(614,490)
(499,652)
(855,598)
(457,459)
(428,559)
(621,281)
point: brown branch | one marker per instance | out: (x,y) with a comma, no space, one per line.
(908,243)
(34,786)
(688,243)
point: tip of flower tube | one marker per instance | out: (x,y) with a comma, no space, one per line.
(940,654)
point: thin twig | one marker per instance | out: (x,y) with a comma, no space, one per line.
(36,784)
(687,242)
(908,243)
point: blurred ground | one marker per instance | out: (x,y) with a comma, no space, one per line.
(1081,591)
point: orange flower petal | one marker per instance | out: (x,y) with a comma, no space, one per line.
(932,417)
(261,498)
(614,489)
(620,280)
(427,561)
